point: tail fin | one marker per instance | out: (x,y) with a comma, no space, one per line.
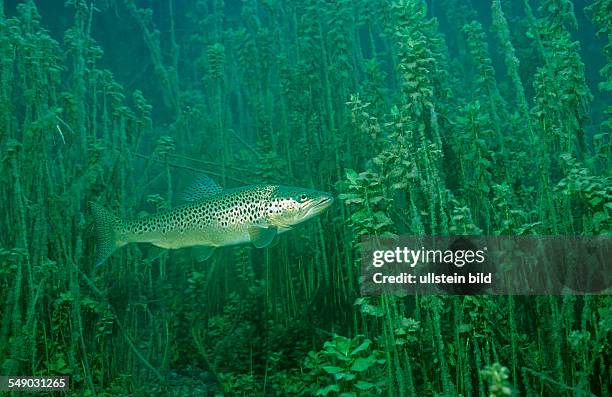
(105,228)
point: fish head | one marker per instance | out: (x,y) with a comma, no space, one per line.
(289,206)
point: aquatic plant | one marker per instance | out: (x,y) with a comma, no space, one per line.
(346,366)
(485,82)
(601,17)
(497,376)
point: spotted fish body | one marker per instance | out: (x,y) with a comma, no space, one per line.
(213,217)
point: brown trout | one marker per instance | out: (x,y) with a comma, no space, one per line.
(212,217)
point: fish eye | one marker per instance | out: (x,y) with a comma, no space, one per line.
(303,197)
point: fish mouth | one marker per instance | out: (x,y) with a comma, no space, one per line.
(325,202)
(320,205)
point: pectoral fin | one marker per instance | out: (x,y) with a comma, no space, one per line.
(262,236)
(203,252)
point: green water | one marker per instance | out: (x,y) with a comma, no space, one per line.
(443,117)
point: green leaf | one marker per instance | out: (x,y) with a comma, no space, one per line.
(345,196)
(599,217)
(375,200)
(352,176)
(330,369)
(360,301)
(363,385)
(347,376)
(382,218)
(389,235)
(364,346)
(362,364)
(354,201)
(372,310)
(325,390)
(339,347)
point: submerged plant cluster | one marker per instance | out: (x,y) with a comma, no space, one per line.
(444,117)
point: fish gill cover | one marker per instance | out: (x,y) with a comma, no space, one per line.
(444,117)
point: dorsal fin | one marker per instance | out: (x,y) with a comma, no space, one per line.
(201,187)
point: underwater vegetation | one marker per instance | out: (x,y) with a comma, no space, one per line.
(443,117)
